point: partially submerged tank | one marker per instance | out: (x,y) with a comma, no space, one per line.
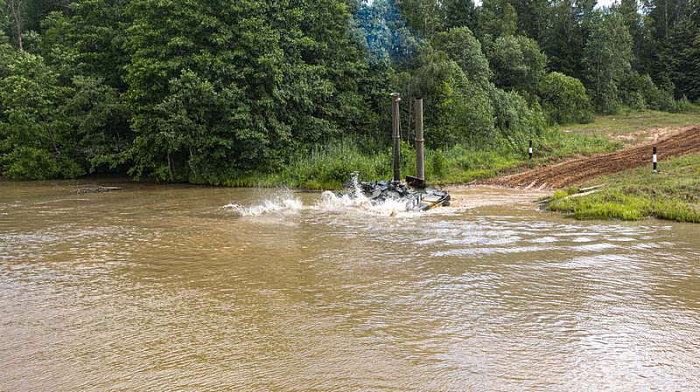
(416,196)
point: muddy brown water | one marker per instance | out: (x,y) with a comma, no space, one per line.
(158,288)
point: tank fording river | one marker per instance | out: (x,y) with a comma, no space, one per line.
(417,198)
(413,191)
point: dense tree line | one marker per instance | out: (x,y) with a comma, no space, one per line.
(202,91)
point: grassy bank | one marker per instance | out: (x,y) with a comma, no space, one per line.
(673,194)
(628,127)
(330,167)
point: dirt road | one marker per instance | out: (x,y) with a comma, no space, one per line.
(579,171)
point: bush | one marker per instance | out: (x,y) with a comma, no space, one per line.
(26,163)
(639,92)
(438,164)
(564,99)
(515,120)
(29,163)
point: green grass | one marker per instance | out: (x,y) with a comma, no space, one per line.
(625,123)
(463,164)
(673,194)
(329,167)
(322,168)
(562,193)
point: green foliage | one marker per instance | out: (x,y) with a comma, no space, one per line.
(201,107)
(562,193)
(29,163)
(468,110)
(564,99)
(438,163)
(325,167)
(496,18)
(613,206)
(35,136)
(229,92)
(462,47)
(99,121)
(459,13)
(515,120)
(559,194)
(682,58)
(37,10)
(517,62)
(88,41)
(382,32)
(455,101)
(4,23)
(607,57)
(634,20)
(638,92)
(425,16)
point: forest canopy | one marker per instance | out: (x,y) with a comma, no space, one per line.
(205,91)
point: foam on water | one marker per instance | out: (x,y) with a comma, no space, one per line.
(280,206)
(360,203)
(356,202)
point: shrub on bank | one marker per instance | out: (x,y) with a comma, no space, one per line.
(564,99)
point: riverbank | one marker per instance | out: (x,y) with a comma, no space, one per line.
(671,194)
(555,148)
(632,128)
(635,192)
(330,166)
(576,172)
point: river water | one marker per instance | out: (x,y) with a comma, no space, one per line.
(186,288)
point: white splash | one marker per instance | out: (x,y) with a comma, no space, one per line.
(281,206)
(358,202)
(353,202)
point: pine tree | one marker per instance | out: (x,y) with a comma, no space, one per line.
(607,57)
(565,39)
(459,13)
(681,56)
(496,18)
(629,10)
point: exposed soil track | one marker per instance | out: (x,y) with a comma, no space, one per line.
(579,171)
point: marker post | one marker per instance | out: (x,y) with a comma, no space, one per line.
(396,136)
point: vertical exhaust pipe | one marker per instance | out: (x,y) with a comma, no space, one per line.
(396,125)
(420,141)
